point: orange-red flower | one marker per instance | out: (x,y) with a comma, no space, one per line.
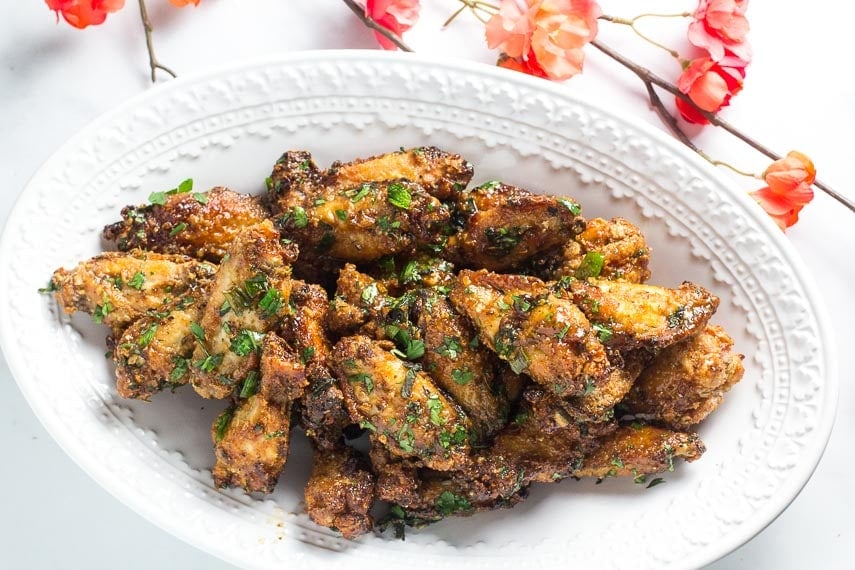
(397,16)
(709,85)
(543,37)
(720,27)
(182,3)
(788,188)
(82,13)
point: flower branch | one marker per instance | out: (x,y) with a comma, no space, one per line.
(385,32)
(152,59)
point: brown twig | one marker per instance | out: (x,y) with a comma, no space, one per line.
(650,78)
(385,32)
(152,59)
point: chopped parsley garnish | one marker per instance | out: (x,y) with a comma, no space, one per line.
(117,282)
(307,354)
(502,240)
(298,215)
(399,196)
(51,287)
(617,462)
(435,409)
(406,438)
(489,185)
(178,229)
(250,384)
(603,332)
(462,377)
(590,386)
(198,332)
(364,191)
(182,365)
(223,424)
(448,503)
(369,293)
(102,311)
(275,434)
(410,273)
(366,380)
(341,215)
(210,362)
(199,197)
(519,361)
(159,198)
(365,424)
(270,303)
(246,341)
(563,332)
(521,303)
(574,208)
(137,281)
(147,336)
(591,266)
(657,481)
(450,347)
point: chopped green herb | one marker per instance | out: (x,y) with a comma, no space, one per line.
(448,503)
(636,425)
(450,347)
(519,361)
(298,214)
(364,191)
(147,336)
(182,365)
(246,341)
(365,424)
(489,185)
(250,384)
(502,305)
(307,354)
(199,197)
(657,481)
(210,362)
(591,266)
(369,293)
(268,183)
(386,225)
(341,215)
(365,379)
(617,462)
(502,240)
(590,386)
(435,409)
(178,229)
(604,333)
(462,377)
(410,273)
(275,434)
(102,311)
(51,287)
(563,332)
(406,438)
(521,303)
(574,208)
(137,281)
(270,303)
(157,198)
(399,196)
(184,187)
(198,332)
(223,423)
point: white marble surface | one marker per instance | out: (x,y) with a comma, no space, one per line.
(55,79)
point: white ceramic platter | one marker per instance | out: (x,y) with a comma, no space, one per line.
(227,128)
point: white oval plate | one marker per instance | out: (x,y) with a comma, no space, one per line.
(228,127)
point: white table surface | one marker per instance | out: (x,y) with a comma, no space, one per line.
(55,79)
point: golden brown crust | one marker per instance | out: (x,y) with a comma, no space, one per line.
(201,225)
(687,381)
(340,492)
(504,226)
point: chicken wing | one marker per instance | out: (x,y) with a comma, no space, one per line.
(616,248)
(400,404)
(249,294)
(118,288)
(546,337)
(631,315)
(201,225)
(687,380)
(503,226)
(340,492)
(636,451)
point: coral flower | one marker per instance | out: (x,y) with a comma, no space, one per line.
(545,37)
(720,27)
(397,16)
(82,13)
(182,3)
(709,85)
(788,188)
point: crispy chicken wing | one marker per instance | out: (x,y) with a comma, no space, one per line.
(640,450)
(687,380)
(623,253)
(597,405)
(154,352)
(631,315)
(544,336)
(118,288)
(340,492)
(503,226)
(201,225)
(322,413)
(250,292)
(400,404)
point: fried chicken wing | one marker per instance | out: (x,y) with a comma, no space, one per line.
(305,327)
(201,225)
(154,352)
(340,492)
(362,223)
(597,405)
(641,450)
(687,381)
(546,337)
(631,315)
(322,413)
(118,288)
(503,226)
(250,292)
(457,363)
(621,247)
(400,404)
